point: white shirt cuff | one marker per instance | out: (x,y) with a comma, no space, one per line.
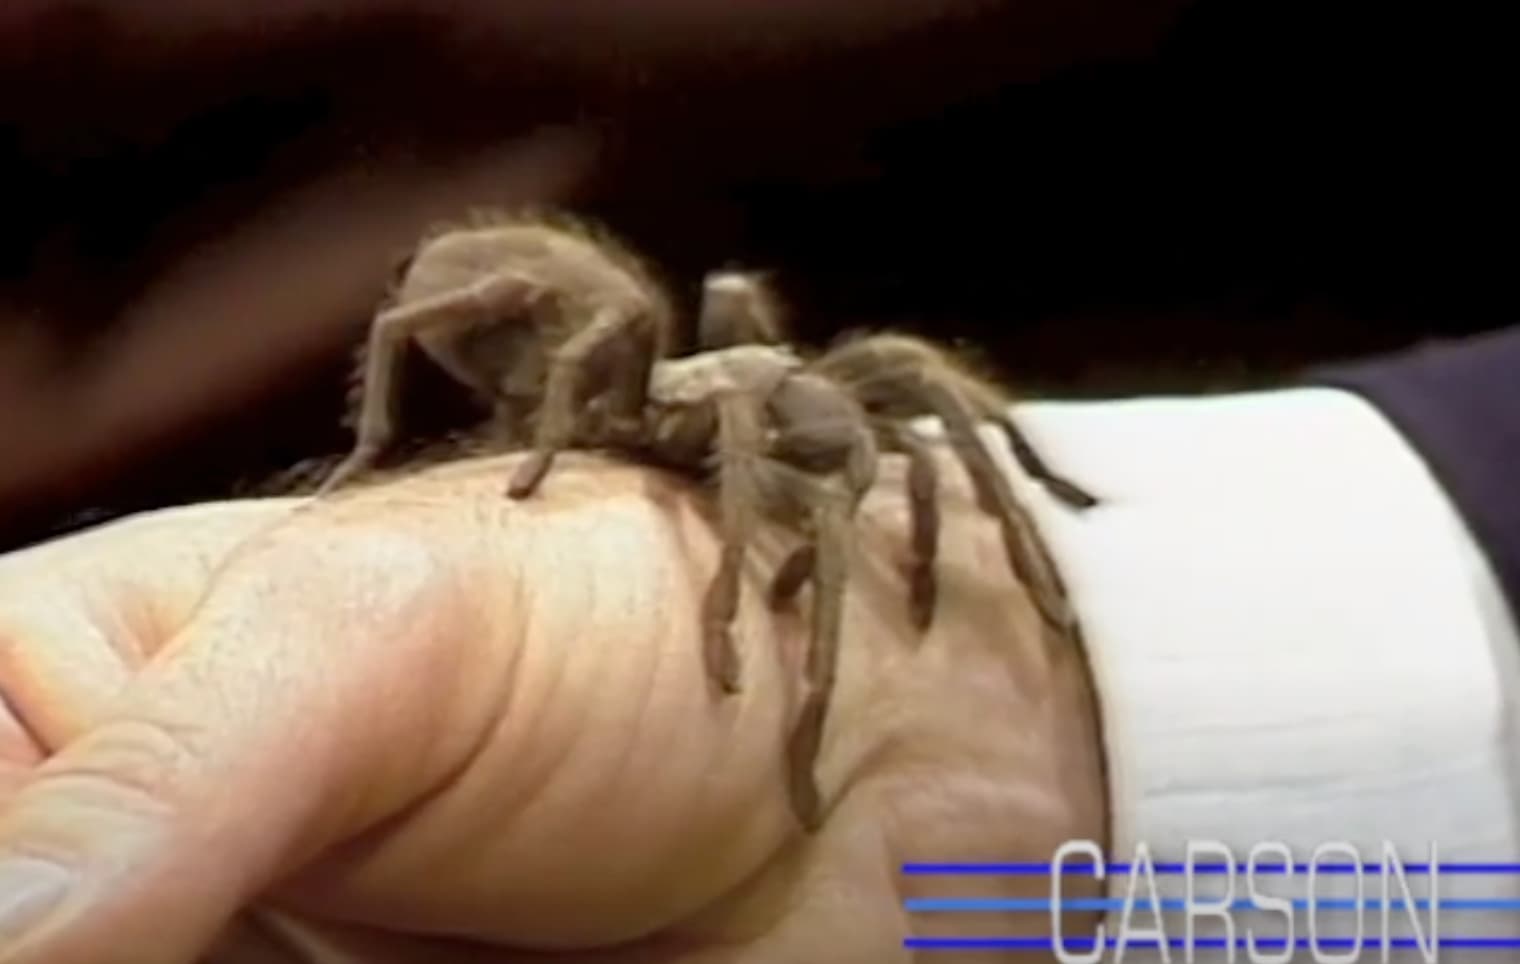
(1293,635)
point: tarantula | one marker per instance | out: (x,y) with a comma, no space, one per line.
(565,331)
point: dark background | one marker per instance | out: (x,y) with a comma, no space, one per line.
(203,203)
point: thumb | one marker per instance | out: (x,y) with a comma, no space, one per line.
(248,745)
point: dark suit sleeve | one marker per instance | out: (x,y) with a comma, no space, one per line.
(1458,404)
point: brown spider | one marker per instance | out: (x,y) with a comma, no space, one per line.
(563,329)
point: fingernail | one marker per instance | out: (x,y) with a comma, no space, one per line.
(29,889)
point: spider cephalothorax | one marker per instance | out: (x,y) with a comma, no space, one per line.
(537,314)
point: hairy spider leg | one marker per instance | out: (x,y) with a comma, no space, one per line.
(831,537)
(591,355)
(820,430)
(877,364)
(737,308)
(793,573)
(741,444)
(392,329)
(924,519)
(990,404)
(1035,466)
(897,375)
(1027,557)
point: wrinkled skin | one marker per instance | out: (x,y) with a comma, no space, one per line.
(392,716)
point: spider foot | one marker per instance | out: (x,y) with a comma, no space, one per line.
(530,474)
(721,658)
(355,465)
(802,756)
(1069,492)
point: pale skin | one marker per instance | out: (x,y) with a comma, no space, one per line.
(419,721)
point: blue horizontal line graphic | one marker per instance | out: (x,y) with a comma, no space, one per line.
(1086,867)
(921,904)
(1202,943)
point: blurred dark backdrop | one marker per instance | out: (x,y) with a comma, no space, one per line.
(1104,197)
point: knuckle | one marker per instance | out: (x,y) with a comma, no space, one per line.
(137,768)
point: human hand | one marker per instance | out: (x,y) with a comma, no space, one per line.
(423,722)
